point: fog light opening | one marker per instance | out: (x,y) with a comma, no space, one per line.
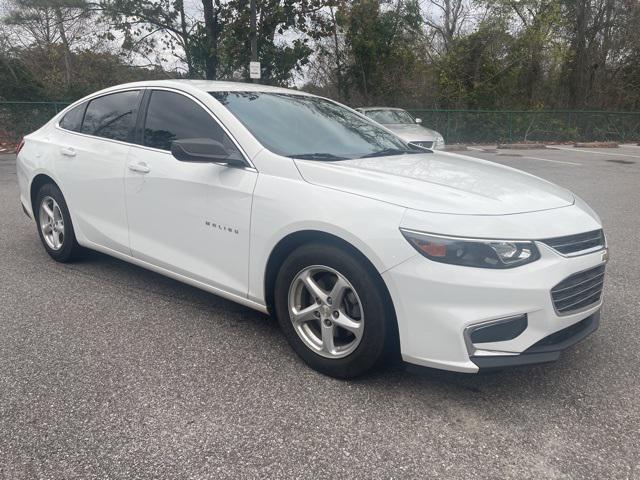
(499,330)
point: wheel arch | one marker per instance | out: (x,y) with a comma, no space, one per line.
(36,184)
(296,239)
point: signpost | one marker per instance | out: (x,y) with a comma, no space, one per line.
(254,65)
(254,70)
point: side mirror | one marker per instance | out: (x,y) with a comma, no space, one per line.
(418,121)
(203,150)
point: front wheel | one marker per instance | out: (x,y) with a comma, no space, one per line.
(333,310)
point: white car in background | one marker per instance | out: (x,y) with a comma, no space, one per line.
(401,123)
(295,205)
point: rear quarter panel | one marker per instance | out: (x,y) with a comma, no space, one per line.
(35,158)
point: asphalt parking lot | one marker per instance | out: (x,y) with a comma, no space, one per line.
(110,371)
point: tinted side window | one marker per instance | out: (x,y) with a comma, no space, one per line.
(72,120)
(111,116)
(172,116)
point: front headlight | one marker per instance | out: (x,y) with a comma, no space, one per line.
(473,253)
(438,144)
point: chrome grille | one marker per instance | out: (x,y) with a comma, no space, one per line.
(422,144)
(579,291)
(575,244)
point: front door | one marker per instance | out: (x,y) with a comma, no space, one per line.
(190,218)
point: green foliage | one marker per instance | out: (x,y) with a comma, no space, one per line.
(468,54)
(385,45)
(492,126)
(147,27)
(528,54)
(17,82)
(299,21)
(478,69)
(93,71)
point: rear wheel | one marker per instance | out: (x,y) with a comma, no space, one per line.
(54,224)
(332,310)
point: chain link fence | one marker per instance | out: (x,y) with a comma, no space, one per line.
(457,126)
(512,126)
(20,118)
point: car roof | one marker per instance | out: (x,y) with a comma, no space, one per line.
(212,86)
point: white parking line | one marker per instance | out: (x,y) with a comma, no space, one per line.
(612,154)
(544,159)
(553,161)
(476,149)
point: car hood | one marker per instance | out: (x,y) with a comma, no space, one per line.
(439,183)
(412,133)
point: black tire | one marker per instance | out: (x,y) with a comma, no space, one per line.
(380,325)
(70,250)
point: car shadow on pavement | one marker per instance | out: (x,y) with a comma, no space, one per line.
(130,276)
(518,382)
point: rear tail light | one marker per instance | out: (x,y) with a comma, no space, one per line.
(19,147)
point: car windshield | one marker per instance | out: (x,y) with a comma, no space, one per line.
(386,116)
(307,127)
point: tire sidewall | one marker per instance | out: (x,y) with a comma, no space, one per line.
(376,314)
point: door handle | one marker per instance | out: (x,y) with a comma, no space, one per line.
(68,152)
(140,167)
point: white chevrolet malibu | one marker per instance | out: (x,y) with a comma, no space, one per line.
(295,205)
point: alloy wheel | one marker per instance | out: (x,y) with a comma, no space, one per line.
(326,312)
(51,223)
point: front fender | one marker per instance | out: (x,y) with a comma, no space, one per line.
(283,206)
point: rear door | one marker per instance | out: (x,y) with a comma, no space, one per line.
(190,218)
(92,155)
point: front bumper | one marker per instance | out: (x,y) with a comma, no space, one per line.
(546,350)
(435,303)
(26,212)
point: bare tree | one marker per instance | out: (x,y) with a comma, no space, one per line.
(591,25)
(447,20)
(47,24)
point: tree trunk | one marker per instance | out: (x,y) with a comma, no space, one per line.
(65,45)
(602,78)
(185,38)
(212,30)
(342,90)
(579,65)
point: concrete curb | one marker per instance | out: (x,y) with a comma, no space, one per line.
(596,145)
(521,146)
(456,147)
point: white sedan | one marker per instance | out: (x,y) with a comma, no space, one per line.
(295,205)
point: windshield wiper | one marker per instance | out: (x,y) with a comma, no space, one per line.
(388,151)
(317,156)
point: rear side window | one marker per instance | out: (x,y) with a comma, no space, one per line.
(172,116)
(72,120)
(112,116)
